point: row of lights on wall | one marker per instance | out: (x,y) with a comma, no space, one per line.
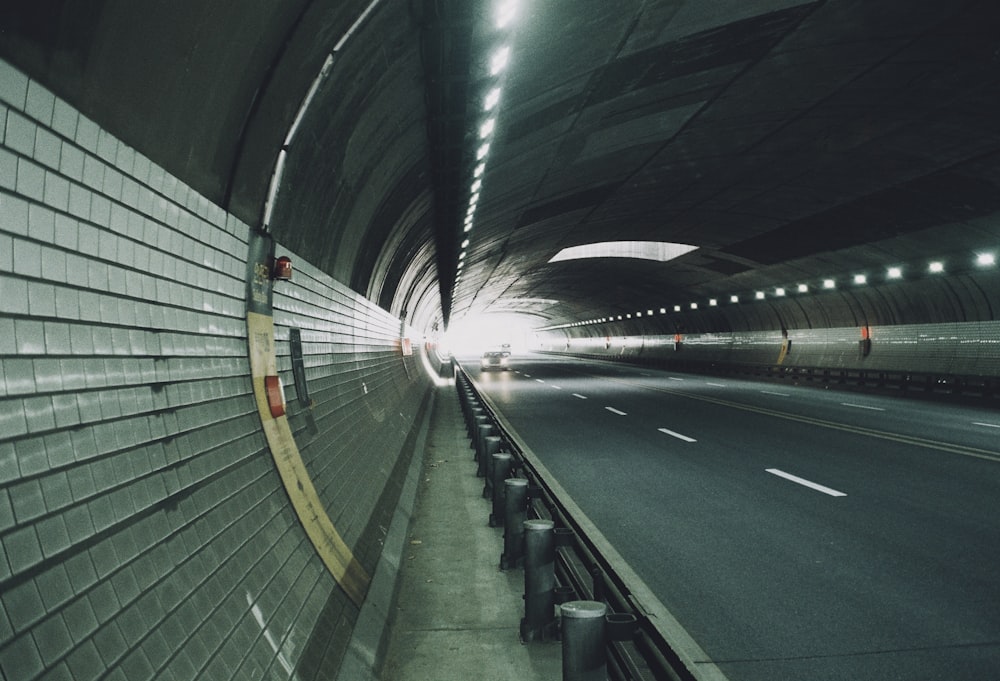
(503,17)
(891,274)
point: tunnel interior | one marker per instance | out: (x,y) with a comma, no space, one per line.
(820,172)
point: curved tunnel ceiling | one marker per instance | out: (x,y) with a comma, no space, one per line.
(785,139)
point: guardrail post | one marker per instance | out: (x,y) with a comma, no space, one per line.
(515,508)
(539,581)
(485,430)
(501,469)
(584,656)
(492,447)
(481,419)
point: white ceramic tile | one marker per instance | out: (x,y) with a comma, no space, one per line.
(64,119)
(48,148)
(8,169)
(56,191)
(30,179)
(71,162)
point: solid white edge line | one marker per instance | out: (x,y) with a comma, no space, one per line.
(805,483)
(716,385)
(986,425)
(615,411)
(677,435)
(582,397)
(861,406)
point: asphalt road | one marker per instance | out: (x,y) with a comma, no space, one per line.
(796,533)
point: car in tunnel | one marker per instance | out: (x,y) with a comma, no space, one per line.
(495,359)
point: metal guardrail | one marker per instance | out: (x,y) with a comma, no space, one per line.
(581,563)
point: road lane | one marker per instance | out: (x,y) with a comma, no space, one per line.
(773,579)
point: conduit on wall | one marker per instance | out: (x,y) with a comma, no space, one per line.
(335,554)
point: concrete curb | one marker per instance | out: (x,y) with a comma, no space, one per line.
(369,637)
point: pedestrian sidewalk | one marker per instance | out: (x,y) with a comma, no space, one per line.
(458,615)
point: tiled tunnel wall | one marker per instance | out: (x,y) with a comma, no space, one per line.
(946,349)
(144,528)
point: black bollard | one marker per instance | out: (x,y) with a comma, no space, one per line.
(484,431)
(492,447)
(539,581)
(584,655)
(501,469)
(515,508)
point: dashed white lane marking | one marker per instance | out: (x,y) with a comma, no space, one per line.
(677,435)
(555,387)
(717,385)
(805,483)
(986,425)
(615,411)
(674,378)
(861,406)
(771,392)
(582,397)
(540,380)
(527,375)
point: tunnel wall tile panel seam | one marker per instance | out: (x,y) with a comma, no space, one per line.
(145,532)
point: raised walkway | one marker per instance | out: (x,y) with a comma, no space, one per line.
(457,615)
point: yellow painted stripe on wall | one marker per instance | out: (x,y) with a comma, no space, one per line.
(336,555)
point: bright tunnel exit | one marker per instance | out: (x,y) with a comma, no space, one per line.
(474,335)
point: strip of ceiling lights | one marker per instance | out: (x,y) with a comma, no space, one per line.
(503,18)
(961,265)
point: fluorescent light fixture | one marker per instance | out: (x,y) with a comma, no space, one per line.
(986,259)
(505,13)
(734,299)
(468,226)
(936,267)
(477,185)
(480,169)
(486,129)
(779,291)
(803,288)
(461,255)
(660,251)
(694,306)
(619,317)
(712,302)
(465,244)
(638,314)
(677,308)
(860,279)
(492,97)
(829,283)
(759,295)
(649,312)
(894,273)
(628,316)
(482,151)
(499,60)
(663,310)
(473,199)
